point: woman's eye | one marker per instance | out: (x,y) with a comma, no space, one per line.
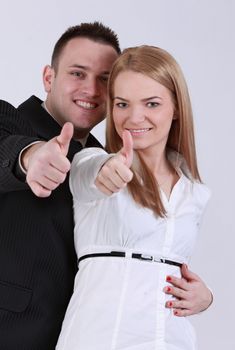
(152,104)
(121,105)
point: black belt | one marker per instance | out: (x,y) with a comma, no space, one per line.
(144,257)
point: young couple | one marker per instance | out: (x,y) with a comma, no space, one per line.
(136,210)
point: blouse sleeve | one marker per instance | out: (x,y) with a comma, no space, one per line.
(84,169)
(202,195)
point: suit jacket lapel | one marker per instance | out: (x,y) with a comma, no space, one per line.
(42,123)
(46,127)
(93,142)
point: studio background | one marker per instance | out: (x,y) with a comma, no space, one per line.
(200,35)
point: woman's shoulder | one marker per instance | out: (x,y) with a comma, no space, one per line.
(199,190)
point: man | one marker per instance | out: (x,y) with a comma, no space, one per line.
(37,256)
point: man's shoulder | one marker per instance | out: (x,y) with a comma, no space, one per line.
(6,107)
(31,103)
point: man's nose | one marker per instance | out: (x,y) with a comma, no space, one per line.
(91,88)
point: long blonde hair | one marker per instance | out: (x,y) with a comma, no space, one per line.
(159,65)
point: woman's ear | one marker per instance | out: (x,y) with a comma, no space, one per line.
(175,115)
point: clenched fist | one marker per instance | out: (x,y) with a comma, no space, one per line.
(46,162)
(116,173)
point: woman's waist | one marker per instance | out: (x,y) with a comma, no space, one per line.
(144,255)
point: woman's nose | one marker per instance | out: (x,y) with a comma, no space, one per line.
(137,115)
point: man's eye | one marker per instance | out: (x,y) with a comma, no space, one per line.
(152,104)
(78,74)
(104,78)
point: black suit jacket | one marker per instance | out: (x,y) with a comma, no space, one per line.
(37,256)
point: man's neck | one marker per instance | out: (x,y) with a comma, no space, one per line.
(82,140)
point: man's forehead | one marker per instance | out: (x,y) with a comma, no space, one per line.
(86,47)
(88,54)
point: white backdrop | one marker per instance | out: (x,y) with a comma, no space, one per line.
(200,34)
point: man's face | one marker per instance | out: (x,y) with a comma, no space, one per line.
(77,90)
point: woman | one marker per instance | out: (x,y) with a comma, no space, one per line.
(129,239)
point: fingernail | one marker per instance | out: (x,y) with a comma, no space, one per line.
(175,312)
(168,289)
(170,304)
(168,278)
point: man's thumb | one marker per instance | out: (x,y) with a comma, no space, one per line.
(65,137)
(127,149)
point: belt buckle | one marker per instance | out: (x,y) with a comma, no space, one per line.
(147,257)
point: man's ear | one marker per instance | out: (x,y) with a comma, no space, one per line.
(48,77)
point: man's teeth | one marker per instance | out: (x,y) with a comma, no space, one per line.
(87,105)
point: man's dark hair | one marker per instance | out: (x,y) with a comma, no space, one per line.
(95,31)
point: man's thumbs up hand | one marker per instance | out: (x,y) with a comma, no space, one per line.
(46,162)
(65,137)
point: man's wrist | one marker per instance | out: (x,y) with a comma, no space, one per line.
(25,154)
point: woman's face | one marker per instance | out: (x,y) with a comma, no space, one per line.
(145,108)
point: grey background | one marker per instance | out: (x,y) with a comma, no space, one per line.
(200,34)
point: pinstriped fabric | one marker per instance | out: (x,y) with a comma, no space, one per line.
(37,257)
(15,134)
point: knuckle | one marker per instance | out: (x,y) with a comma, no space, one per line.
(67,165)
(53,186)
(130,176)
(39,192)
(98,178)
(63,178)
(60,179)
(180,293)
(178,304)
(104,170)
(97,183)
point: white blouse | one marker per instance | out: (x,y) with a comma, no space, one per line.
(118,303)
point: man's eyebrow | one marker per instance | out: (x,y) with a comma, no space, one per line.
(78,66)
(86,68)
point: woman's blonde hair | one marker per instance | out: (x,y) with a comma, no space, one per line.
(159,65)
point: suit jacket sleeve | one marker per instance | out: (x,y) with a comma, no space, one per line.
(15,134)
